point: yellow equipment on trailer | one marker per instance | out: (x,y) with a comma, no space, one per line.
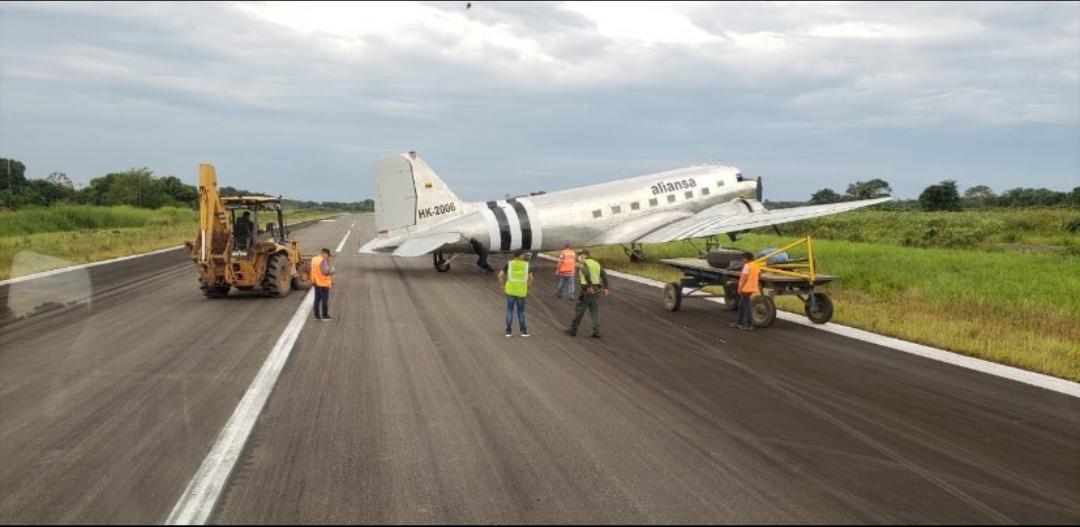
(798,278)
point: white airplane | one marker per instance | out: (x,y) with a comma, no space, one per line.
(417,214)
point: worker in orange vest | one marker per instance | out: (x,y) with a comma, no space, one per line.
(322,271)
(564,272)
(749,285)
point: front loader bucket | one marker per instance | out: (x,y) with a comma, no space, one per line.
(302,278)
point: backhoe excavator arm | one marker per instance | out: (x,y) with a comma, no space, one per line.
(213,219)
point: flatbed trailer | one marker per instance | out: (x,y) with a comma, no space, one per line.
(775,279)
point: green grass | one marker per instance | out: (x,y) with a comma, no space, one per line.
(1039,229)
(61,218)
(68,235)
(1015,308)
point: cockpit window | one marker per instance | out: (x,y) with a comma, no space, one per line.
(738,176)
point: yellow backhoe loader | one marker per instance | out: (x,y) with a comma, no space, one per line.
(232,249)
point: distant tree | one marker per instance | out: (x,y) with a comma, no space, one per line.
(136,187)
(12,181)
(979,196)
(177,191)
(942,196)
(1074,197)
(825,195)
(233,191)
(1031,197)
(60,178)
(45,192)
(95,193)
(875,188)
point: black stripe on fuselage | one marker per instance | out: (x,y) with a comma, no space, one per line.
(504,225)
(523,220)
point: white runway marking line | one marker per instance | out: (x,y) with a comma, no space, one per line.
(202,493)
(342,244)
(992,368)
(44,274)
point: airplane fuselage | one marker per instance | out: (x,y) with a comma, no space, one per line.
(593,215)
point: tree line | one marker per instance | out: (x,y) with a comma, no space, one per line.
(946,196)
(137,187)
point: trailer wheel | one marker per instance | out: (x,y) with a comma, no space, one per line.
(822,311)
(762,311)
(672,296)
(731,296)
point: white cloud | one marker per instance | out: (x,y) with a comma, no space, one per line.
(625,75)
(644,23)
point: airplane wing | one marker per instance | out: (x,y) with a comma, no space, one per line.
(719,219)
(425,243)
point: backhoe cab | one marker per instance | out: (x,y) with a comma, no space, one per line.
(244,242)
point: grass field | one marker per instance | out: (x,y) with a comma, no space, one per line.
(1015,308)
(1038,229)
(84,234)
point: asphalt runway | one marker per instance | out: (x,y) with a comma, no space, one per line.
(412,407)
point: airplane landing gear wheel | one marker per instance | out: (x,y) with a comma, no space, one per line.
(442,265)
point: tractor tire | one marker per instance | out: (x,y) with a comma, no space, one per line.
(762,311)
(216,292)
(823,309)
(278,279)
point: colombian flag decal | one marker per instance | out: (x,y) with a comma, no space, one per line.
(427,185)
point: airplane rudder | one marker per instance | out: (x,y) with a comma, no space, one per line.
(435,201)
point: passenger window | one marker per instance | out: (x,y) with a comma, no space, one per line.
(671,198)
(720,183)
(689,194)
(616,209)
(596,213)
(653,202)
(705,191)
(635,206)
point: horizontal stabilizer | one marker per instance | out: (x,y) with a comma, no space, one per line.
(369,247)
(426,243)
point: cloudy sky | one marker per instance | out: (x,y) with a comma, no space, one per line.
(302,99)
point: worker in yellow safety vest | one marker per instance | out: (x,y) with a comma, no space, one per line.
(515,280)
(322,272)
(749,285)
(593,280)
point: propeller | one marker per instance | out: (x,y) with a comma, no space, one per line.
(760,194)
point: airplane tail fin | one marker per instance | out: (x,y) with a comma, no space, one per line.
(410,194)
